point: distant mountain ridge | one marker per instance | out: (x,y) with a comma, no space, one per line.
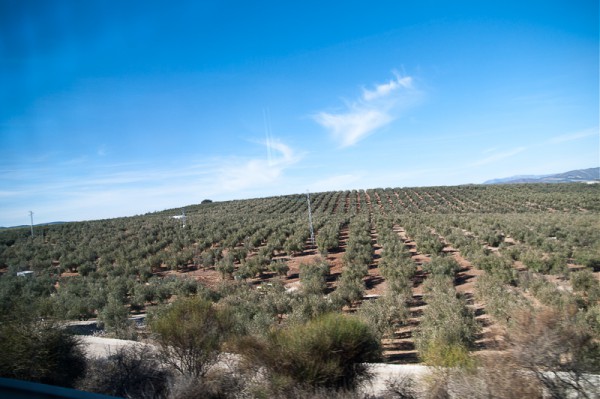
(579,175)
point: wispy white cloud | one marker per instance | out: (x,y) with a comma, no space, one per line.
(242,174)
(386,89)
(575,136)
(56,194)
(376,108)
(353,126)
(489,150)
(498,156)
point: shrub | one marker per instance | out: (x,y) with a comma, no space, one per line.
(218,384)
(541,263)
(551,346)
(40,351)
(130,371)
(309,307)
(584,281)
(446,354)
(400,387)
(591,320)
(190,332)
(494,377)
(330,351)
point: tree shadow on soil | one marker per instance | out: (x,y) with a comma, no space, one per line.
(402,358)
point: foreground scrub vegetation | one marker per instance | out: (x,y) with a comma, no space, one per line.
(496,283)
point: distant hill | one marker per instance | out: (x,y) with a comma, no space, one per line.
(35,225)
(580,175)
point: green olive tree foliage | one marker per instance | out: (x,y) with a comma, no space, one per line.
(442,266)
(295,243)
(546,292)
(279,267)
(498,266)
(384,314)
(314,277)
(190,332)
(110,268)
(308,307)
(114,318)
(501,301)
(448,327)
(328,237)
(225,266)
(585,283)
(357,258)
(254,311)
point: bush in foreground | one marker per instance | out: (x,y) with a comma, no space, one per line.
(330,351)
(131,372)
(40,351)
(190,332)
(546,355)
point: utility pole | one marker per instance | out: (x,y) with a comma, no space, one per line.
(312,232)
(31,217)
(183,218)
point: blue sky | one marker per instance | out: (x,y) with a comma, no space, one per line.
(120,108)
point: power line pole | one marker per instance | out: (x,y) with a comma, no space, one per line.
(183,218)
(31,217)
(312,232)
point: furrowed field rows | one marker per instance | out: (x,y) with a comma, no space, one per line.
(398,258)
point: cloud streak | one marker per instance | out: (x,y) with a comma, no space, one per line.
(353,126)
(386,89)
(243,174)
(498,157)
(375,109)
(132,189)
(574,136)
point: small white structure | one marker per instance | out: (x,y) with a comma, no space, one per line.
(26,273)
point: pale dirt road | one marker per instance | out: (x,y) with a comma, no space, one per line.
(101,347)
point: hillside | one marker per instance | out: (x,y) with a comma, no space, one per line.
(405,261)
(580,175)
